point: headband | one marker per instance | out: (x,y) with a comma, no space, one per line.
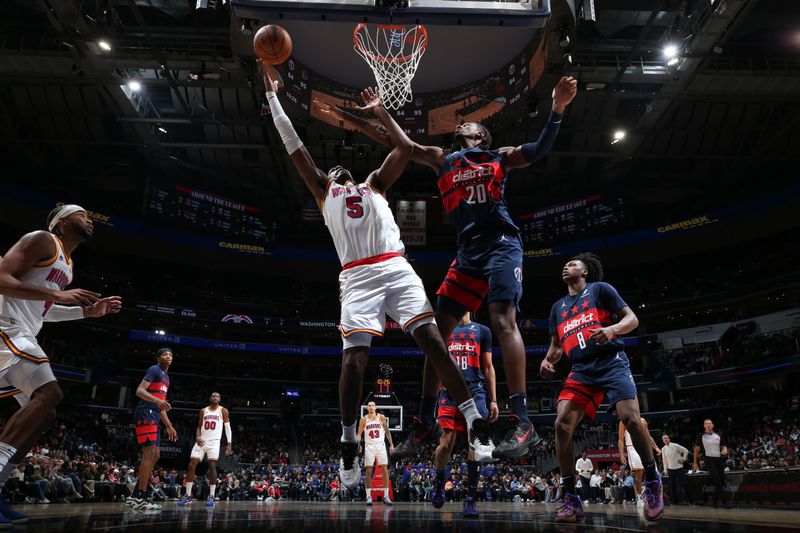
(65,211)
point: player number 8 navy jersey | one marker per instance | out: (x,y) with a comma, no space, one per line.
(574,318)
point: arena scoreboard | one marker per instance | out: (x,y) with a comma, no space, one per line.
(383,388)
(208,213)
(580,217)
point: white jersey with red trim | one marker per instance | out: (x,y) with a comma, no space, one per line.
(374,434)
(54,273)
(360,221)
(211,429)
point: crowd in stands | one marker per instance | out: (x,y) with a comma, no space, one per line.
(93,458)
(709,356)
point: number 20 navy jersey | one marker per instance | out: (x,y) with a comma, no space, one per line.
(573,318)
(472,183)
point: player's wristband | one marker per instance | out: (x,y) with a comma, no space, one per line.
(61,313)
(282,123)
(492,401)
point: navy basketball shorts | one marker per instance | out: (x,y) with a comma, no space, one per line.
(586,387)
(147,421)
(486,269)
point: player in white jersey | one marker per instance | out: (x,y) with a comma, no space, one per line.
(375,429)
(33,276)
(634,461)
(376,280)
(208,439)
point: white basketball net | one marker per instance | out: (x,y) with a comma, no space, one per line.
(393,54)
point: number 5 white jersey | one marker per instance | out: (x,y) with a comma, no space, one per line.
(211,430)
(360,222)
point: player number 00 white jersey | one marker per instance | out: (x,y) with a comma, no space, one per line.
(211,429)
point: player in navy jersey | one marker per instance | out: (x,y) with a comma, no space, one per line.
(586,325)
(470,346)
(151,410)
(488,265)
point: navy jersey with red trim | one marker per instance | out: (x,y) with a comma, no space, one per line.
(472,183)
(466,344)
(573,318)
(159,385)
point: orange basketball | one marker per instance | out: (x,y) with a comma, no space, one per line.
(272,44)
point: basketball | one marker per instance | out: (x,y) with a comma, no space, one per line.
(272,44)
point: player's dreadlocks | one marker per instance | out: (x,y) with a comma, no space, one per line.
(593,266)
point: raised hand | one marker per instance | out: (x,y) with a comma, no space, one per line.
(105,306)
(372,99)
(272,81)
(564,92)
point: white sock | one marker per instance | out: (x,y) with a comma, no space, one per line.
(470,412)
(349,433)
(7,452)
(386,492)
(189,485)
(5,473)
(212,489)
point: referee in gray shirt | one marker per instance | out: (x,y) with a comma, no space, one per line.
(714,451)
(674,456)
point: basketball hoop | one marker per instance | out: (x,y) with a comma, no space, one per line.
(393,53)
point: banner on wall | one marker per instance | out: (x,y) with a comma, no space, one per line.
(775,486)
(411,216)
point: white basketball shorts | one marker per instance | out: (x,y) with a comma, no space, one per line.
(24,366)
(634,461)
(210,448)
(375,452)
(370,292)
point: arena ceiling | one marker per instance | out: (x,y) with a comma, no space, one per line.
(698,131)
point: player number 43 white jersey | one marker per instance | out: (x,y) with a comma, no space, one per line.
(212,425)
(360,221)
(373,432)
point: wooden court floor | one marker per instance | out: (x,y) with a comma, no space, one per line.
(402,517)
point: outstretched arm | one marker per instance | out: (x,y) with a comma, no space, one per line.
(431,156)
(397,160)
(523,155)
(102,307)
(314,178)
